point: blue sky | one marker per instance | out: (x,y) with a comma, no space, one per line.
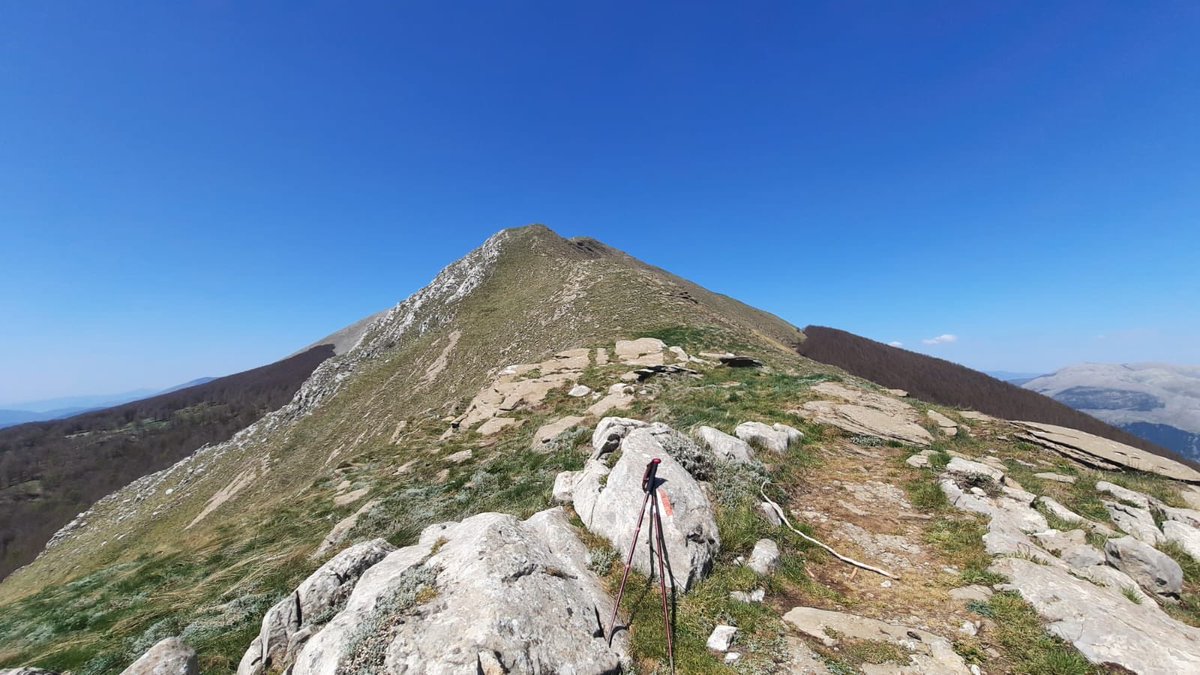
(195,188)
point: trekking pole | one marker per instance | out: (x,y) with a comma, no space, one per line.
(656,541)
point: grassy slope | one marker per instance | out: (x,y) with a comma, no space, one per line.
(544,294)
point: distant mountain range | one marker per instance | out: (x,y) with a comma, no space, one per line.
(61,408)
(1154,401)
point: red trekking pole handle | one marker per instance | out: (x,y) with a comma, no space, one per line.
(651,473)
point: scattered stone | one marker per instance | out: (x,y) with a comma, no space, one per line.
(1186,536)
(920,460)
(619,396)
(770,514)
(1124,494)
(721,638)
(1132,520)
(350,497)
(732,657)
(728,448)
(1103,625)
(680,354)
(169,657)
(969,628)
(549,432)
(564,487)
(498,424)
(520,591)
(740,362)
(755,596)
(801,659)
(974,472)
(579,391)
(1056,477)
(928,653)
(1059,511)
(1082,556)
(973,593)
(343,527)
(774,438)
(1154,571)
(945,425)
(640,352)
(765,557)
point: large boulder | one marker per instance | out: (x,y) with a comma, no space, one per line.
(728,448)
(1104,625)
(169,657)
(488,594)
(293,620)
(608,502)
(775,438)
(1151,569)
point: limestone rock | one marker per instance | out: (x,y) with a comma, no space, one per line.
(1104,626)
(1082,556)
(974,472)
(1135,521)
(564,487)
(169,657)
(974,593)
(323,591)
(728,448)
(928,653)
(343,527)
(619,396)
(488,593)
(1124,494)
(1056,477)
(765,557)
(1102,453)
(609,432)
(548,432)
(609,507)
(1057,542)
(945,425)
(579,391)
(1059,511)
(755,596)
(770,514)
(27,671)
(867,414)
(1186,536)
(1156,572)
(774,438)
(640,352)
(721,638)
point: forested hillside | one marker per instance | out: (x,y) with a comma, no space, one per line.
(51,471)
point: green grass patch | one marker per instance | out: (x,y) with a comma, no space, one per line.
(1022,639)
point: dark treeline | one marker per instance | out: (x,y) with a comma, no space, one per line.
(939,381)
(52,471)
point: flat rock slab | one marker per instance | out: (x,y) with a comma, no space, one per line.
(489,594)
(1103,453)
(930,654)
(864,421)
(1105,627)
(1055,477)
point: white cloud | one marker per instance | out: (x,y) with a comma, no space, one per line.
(896,343)
(946,338)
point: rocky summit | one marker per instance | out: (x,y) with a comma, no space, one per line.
(458,488)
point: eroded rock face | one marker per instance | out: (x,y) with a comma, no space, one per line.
(930,654)
(729,448)
(291,621)
(1102,453)
(169,657)
(1153,570)
(1105,627)
(488,594)
(867,414)
(608,502)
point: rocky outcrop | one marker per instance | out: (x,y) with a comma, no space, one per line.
(866,414)
(1102,453)
(288,624)
(929,654)
(608,501)
(728,448)
(1104,626)
(169,657)
(488,594)
(339,531)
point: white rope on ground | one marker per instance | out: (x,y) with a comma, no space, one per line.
(850,561)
